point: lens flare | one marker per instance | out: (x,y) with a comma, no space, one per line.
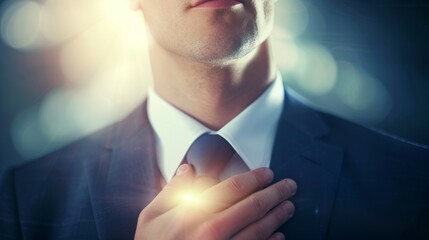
(189,198)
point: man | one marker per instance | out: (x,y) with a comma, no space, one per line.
(215,84)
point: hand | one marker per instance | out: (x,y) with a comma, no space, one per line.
(237,208)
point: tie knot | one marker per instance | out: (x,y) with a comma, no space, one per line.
(209,154)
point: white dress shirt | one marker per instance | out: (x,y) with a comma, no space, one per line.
(251,133)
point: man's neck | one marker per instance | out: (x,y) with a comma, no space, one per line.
(212,93)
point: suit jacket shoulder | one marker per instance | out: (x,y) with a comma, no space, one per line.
(63,194)
(353,182)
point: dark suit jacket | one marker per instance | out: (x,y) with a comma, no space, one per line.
(353,182)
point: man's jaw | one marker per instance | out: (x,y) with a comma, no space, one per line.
(214,3)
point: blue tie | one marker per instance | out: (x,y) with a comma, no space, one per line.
(209,154)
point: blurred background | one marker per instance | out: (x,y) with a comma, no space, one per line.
(71,67)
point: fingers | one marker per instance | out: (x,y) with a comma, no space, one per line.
(236,188)
(255,206)
(170,194)
(264,228)
(278,236)
(203,183)
(192,200)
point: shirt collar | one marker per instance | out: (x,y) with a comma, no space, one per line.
(251,133)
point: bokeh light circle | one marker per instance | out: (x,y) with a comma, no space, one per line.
(20,24)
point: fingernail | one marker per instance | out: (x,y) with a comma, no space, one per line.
(289,207)
(291,185)
(278,235)
(268,174)
(182,169)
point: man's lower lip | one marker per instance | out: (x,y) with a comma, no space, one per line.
(218,4)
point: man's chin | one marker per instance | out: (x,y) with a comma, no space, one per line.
(220,55)
(223,43)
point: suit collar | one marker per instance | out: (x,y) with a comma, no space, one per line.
(301,154)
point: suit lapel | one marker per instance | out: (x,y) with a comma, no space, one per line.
(300,154)
(127,177)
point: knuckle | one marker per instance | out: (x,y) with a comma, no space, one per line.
(259,232)
(237,185)
(260,178)
(287,187)
(279,217)
(147,214)
(291,186)
(209,229)
(257,204)
(282,192)
(291,209)
(144,216)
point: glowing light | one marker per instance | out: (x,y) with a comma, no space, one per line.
(286,52)
(20,24)
(292,15)
(89,52)
(65,114)
(63,19)
(190,198)
(362,93)
(28,136)
(105,63)
(316,70)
